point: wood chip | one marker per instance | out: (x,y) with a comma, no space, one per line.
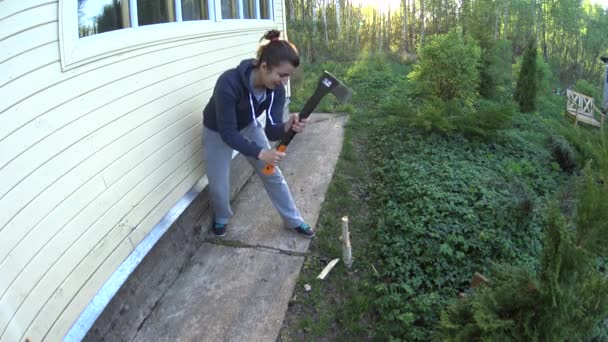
(327,269)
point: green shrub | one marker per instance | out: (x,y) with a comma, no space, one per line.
(488,118)
(563,153)
(544,77)
(448,68)
(496,72)
(371,77)
(586,88)
(564,301)
(444,207)
(398,101)
(526,89)
(442,94)
(436,115)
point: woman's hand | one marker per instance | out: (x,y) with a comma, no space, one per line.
(272,157)
(294,123)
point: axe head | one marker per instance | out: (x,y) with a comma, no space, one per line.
(334,86)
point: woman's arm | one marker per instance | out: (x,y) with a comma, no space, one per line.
(225,97)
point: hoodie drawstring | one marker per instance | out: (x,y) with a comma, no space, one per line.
(255,122)
(268,112)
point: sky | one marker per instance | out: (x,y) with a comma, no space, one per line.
(604,3)
(384,5)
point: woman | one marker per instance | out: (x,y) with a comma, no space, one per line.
(230,123)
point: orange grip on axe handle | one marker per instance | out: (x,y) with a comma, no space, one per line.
(269,168)
(323,89)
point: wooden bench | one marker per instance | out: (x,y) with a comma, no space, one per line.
(581,109)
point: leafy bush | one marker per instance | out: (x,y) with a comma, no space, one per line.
(397,101)
(565,301)
(496,71)
(444,86)
(488,118)
(526,89)
(563,153)
(444,208)
(435,115)
(448,68)
(544,77)
(586,88)
(371,77)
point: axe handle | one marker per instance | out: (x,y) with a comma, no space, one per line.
(310,105)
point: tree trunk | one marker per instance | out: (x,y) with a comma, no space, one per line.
(324,9)
(292,10)
(544,32)
(422,28)
(464,15)
(314,30)
(413,25)
(405,36)
(496,23)
(338,18)
(534,19)
(506,20)
(357,30)
(388,31)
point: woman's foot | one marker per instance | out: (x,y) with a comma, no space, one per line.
(219,229)
(305,230)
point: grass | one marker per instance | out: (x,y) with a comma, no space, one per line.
(338,307)
(407,264)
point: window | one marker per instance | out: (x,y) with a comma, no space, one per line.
(92,30)
(99,16)
(155,12)
(249,9)
(230,9)
(265,10)
(195,10)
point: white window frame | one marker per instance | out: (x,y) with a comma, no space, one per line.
(218,14)
(76,51)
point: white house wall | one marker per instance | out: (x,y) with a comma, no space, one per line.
(91,157)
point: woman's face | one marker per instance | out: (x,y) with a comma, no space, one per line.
(274,77)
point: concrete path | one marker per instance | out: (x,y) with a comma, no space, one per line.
(238,288)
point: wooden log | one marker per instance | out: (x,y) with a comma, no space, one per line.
(478,279)
(347,255)
(327,268)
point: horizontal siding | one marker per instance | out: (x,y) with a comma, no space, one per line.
(9,8)
(153,142)
(40,331)
(157,213)
(54,88)
(28,62)
(25,20)
(61,151)
(27,40)
(184,161)
(86,218)
(66,320)
(90,159)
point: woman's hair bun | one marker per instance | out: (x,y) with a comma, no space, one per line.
(272,34)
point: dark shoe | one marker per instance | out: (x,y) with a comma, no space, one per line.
(305,230)
(219,229)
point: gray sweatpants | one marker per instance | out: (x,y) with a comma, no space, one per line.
(218,155)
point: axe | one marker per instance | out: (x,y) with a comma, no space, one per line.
(327,84)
